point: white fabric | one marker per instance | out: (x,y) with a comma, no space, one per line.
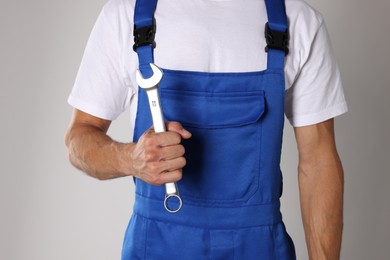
(209,36)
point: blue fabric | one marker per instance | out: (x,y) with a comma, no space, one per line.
(143,16)
(232,181)
(152,239)
(276,12)
(277,20)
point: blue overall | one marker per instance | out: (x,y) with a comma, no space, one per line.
(232,181)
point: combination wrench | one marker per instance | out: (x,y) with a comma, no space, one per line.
(150,85)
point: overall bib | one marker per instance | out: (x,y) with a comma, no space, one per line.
(232,181)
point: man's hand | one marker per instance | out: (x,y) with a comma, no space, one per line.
(321,190)
(158,158)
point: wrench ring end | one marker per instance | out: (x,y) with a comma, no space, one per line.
(167,197)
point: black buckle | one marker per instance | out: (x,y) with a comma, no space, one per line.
(144,36)
(276,39)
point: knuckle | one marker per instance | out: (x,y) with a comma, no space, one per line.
(149,140)
(183,161)
(155,180)
(174,125)
(171,124)
(151,156)
(179,175)
(154,168)
(177,138)
(181,149)
(174,137)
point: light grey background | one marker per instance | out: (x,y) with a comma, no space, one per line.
(49,210)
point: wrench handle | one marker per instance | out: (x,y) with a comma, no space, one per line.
(171,190)
(155,109)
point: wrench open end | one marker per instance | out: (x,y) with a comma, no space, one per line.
(152,81)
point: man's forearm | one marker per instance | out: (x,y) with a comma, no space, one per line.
(96,154)
(321,196)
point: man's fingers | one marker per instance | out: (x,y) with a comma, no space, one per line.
(168,139)
(172,176)
(159,156)
(152,139)
(173,165)
(175,132)
(171,152)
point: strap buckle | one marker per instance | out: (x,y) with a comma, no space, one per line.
(276,39)
(144,36)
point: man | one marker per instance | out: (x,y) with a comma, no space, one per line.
(224,98)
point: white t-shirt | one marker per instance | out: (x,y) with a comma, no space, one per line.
(209,36)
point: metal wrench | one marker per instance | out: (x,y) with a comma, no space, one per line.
(150,85)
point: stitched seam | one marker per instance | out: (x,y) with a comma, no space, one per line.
(224,74)
(202,227)
(276,252)
(146,236)
(214,206)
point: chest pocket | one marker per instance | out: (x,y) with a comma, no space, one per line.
(223,154)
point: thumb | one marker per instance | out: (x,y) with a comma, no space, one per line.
(178,128)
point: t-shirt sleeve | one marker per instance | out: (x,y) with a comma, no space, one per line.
(317,92)
(100,88)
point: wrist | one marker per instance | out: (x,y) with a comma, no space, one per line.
(125,164)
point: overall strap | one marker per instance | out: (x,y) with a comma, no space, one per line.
(276,33)
(144,32)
